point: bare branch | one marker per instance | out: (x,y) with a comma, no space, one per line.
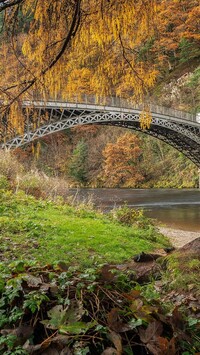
(128,61)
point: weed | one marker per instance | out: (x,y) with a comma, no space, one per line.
(33,300)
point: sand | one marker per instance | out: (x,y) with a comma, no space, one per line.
(179,237)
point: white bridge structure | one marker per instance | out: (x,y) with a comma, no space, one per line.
(41,118)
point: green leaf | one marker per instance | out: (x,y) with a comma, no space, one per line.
(57,315)
(18,266)
(2,284)
(134,323)
(76,328)
(193,321)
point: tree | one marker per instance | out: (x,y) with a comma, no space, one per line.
(121,167)
(101,47)
(57,26)
(178,31)
(78,164)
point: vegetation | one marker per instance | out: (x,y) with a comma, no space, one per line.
(56,310)
(121,166)
(111,160)
(68,281)
(79,303)
(78,163)
(47,233)
(119,48)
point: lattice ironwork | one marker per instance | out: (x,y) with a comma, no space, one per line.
(179,129)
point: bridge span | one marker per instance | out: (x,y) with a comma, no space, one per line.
(177,128)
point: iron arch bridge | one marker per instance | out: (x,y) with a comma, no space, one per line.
(179,129)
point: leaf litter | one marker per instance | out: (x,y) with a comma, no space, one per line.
(60,310)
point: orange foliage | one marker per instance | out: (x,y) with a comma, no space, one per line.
(117,47)
(121,166)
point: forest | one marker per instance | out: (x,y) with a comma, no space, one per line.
(144,51)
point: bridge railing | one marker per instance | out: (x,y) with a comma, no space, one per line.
(122,103)
(114,102)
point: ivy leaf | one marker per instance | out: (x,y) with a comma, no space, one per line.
(76,328)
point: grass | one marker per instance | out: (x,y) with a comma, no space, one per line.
(69,297)
(183,271)
(48,232)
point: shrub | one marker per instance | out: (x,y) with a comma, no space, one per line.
(127,215)
(4,184)
(9,166)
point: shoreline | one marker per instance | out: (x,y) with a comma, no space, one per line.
(178,237)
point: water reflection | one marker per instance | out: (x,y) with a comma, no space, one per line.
(173,207)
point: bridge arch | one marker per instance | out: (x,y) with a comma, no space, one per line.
(178,129)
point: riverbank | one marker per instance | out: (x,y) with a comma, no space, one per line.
(62,287)
(179,237)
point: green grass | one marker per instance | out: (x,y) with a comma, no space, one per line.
(183,271)
(49,232)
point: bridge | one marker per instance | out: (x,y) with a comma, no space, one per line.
(179,129)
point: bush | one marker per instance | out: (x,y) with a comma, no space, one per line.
(9,166)
(127,215)
(4,184)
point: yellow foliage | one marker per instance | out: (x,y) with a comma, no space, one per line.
(119,49)
(145,119)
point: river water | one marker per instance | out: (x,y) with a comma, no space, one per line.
(175,208)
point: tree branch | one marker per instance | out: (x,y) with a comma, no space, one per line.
(5,4)
(128,61)
(72,31)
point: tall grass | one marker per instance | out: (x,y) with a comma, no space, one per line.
(14,176)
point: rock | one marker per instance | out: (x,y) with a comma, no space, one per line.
(193,246)
(169,249)
(143,257)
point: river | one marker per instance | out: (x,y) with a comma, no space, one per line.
(174,208)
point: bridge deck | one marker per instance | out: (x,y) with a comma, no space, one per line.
(122,105)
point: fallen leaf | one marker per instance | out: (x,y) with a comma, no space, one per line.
(115,323)
(133,294)
(117,341)
(32,281)
(154,329)
(109,351)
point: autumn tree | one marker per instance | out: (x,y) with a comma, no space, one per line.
(103,47)
(121,166)
(61,32)
(178,37)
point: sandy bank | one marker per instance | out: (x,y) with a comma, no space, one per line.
(179,237)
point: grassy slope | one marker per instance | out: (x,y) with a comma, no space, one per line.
(47,232)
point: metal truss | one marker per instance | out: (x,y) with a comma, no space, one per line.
(44,119)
